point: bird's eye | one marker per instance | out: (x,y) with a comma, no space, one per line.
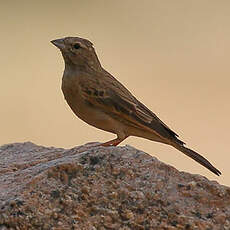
(76,46)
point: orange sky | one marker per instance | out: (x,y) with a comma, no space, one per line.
(173,55)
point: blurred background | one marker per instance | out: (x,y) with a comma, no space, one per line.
(172,55)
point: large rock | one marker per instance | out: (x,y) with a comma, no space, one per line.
(98,188)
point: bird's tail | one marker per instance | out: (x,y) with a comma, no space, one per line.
(197,157)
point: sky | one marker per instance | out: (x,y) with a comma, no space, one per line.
(172,55)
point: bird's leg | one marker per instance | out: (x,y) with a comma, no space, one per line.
(113,142)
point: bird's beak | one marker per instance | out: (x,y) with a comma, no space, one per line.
(59,43)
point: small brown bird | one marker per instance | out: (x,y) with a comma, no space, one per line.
(97,98)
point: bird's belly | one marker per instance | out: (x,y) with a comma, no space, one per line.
(91,115)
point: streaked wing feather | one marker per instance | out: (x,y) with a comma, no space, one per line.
(126,107)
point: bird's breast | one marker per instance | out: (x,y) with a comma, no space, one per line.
(86,111)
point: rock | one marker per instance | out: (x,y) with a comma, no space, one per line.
(90,187)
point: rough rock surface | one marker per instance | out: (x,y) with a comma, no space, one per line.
(98,188)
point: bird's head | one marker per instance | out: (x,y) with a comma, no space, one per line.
(78,52)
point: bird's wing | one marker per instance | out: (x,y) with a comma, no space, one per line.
(113,98)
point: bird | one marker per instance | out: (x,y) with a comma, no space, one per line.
(100,100)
